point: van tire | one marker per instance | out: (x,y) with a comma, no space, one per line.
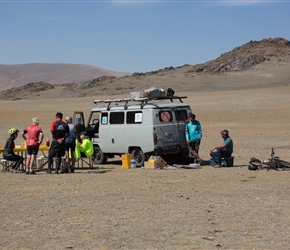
(139,156)
(99,156)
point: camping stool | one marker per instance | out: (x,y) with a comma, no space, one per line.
(39,162)
(226,162)
(5,165)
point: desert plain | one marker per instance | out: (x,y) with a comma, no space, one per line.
(113,208)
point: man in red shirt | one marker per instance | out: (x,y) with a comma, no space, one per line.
(60,131)
(35,137)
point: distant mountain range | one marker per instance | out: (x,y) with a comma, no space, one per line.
(54,73)
(256,64)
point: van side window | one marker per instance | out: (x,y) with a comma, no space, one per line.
(181,115)
(134,117)
(104,118)
(165,116)
(117,118)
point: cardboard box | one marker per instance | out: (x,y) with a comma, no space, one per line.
(155,162)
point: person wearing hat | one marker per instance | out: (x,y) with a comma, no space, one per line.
(224,150)
(86,146)
(8,152)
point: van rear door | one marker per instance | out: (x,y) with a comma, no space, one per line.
(171,130)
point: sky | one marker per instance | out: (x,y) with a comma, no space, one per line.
(134,36)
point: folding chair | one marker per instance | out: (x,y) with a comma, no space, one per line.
(6,164)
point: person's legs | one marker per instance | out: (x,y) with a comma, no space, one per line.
(216,156)
(33,151)
(67,159)
(73,161)
(194,147)
(58,163)
(51,154)
(60,154)
(28,159)
(33,156)
(17,159)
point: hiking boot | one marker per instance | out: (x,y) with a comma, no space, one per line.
(72,170)
(48,171)
(32,172)
(26,172)
(64,171)
(199,161)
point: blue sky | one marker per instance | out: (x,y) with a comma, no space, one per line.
(134,36)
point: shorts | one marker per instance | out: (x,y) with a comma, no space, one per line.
(194,145)
(70,146)
(32,150)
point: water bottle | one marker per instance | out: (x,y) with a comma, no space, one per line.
(133,163)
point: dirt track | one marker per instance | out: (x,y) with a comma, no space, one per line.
(114,208)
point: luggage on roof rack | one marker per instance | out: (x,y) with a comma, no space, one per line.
(143,100)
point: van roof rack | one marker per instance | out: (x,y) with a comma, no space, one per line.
(143,100)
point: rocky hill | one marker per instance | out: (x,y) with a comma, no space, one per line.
(255,64)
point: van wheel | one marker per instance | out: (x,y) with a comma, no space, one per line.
(139,156)
(99,156)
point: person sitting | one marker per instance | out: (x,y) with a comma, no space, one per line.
(224,150)
(8,153)
(86,146)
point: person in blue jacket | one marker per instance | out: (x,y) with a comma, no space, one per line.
(193,134)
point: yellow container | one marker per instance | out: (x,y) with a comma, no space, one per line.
(126,160)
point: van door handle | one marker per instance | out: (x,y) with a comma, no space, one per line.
(167,133)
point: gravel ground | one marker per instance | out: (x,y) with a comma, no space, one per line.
(113,208)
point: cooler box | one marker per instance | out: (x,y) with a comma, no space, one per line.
(126,160)
(226,162)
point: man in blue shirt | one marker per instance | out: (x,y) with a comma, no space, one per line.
(193,134)
(222,151)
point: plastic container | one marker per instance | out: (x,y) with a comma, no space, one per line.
(126,160)
(194,165)
(133,163)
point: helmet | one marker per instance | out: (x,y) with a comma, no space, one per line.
(12,131)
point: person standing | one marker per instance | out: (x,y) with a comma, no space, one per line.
(224,150)
(60,131)
(193,134)
(8,152)
(70,145)
(35,137)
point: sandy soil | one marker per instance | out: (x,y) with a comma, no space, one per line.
(114,208)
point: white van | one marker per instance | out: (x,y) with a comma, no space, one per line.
(141,127)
